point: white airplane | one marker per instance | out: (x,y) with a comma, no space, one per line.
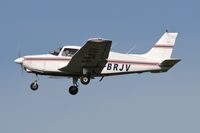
(94,59)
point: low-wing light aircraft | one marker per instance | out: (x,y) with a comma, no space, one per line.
(94,59)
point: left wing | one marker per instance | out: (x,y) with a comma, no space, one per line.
(92,56)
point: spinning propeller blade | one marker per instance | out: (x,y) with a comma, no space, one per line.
(21,65)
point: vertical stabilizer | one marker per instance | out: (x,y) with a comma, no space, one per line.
(164,47)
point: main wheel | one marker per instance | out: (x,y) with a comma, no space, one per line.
(85,80)
(34,86)
(73,90)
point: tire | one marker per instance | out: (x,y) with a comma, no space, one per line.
(85,80)
(73,90)
(34,86)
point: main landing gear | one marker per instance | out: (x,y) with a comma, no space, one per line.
(85,80)
(73,90)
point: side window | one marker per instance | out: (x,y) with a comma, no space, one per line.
(69,52)
(65,52)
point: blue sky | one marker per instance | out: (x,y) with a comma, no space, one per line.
(154,103)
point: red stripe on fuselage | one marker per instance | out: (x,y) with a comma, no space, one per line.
(133,62)
(47,59)
(109,61)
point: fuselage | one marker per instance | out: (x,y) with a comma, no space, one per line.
(117,63)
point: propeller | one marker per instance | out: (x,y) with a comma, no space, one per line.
(19,53)
(19,60)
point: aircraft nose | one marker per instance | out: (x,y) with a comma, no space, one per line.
(19,60)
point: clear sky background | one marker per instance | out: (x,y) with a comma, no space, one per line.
(153,103)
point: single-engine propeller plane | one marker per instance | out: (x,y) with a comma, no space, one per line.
(94,59)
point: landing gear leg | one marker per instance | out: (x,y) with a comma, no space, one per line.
(73,90)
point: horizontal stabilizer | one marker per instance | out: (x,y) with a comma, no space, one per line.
(169,63)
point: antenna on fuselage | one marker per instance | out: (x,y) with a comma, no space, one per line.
(131,49)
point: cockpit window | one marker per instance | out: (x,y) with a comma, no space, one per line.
(69,52)
(56,52)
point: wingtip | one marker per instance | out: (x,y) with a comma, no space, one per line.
(99,40)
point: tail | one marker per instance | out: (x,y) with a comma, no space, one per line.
(164,47)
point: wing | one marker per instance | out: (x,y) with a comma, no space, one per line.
(92,56)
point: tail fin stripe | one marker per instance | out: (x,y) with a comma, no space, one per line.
(163,46)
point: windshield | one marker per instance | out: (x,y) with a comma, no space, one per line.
(56,52)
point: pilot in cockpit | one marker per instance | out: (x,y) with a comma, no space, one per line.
(65,52)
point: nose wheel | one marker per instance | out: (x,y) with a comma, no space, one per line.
(34,86)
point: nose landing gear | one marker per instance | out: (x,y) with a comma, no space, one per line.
(34,86)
